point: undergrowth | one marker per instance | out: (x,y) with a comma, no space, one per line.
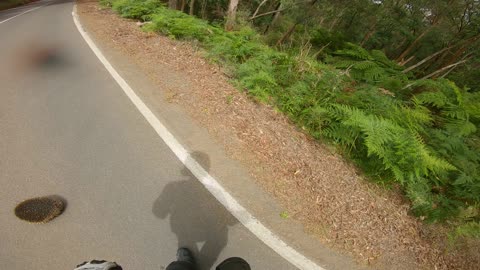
(421,134)
(5,4)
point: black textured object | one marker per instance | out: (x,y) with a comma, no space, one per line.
(233,263)
(41,209)
(185,255)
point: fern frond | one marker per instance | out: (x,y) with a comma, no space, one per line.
(436,99)
(374,74)
(344,64)
(354,51)
(460,127)
(365,65)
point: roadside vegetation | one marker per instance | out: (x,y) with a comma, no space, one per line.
(395,85)
(5,4)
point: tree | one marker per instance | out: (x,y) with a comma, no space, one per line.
(173,4)
(231,15)
(192,7)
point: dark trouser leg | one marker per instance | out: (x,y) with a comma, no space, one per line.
(180,266)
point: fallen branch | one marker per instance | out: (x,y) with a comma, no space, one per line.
(436,72)
(425,60)
(267,13)
(258,8)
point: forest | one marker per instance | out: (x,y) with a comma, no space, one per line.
(394,85)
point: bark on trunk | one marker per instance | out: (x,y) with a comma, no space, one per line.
(425,60)
(184,3)
(231,15)
(287,34)
(368,35)
(204,9)
(265,14)
(404,62)
(172,4)
(192,7)
(274,17)
(443,69)
(292,28)
(412,45)
(258,8)
(462,49)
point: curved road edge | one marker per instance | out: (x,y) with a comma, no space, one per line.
(212,185)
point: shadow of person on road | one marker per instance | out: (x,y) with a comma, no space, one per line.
(199,221)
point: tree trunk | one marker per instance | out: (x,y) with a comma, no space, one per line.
(258,8)
(443,69)
(435,21)
(368,35)
(287,34)
(404,62)
(412,45)
(352,18)
(184,3)
(292,28)
(438,71)
(204,9)
(462,49)
(335,21)
(192,7)
(173,4)
(425,60)
(265,14)
(231,15)
(274,17)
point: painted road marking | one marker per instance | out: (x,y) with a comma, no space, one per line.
(212,185)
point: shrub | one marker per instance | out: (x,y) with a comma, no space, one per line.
(136,9)
(179,25)
(421,134)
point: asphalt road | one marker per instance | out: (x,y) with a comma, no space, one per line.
(66,128)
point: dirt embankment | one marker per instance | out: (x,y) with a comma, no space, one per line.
(316,187)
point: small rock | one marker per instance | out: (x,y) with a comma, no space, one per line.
(140,24)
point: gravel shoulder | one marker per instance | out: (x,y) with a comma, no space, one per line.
(315,186)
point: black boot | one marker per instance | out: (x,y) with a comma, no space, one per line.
(185,255)
(184,261)
(234,263)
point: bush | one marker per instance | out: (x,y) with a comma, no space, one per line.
(421,134)
(179,25)
(135,9)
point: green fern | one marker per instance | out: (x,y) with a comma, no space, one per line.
(436,99)
(355,52)
(424,137)
(370,67)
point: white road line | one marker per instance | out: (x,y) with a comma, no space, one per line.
(25,12)
(212,185)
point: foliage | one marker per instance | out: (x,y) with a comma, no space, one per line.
(134,9)
(468,230)
(371,67)
(421,134)
(177,24)
(12,3)
(105,3)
